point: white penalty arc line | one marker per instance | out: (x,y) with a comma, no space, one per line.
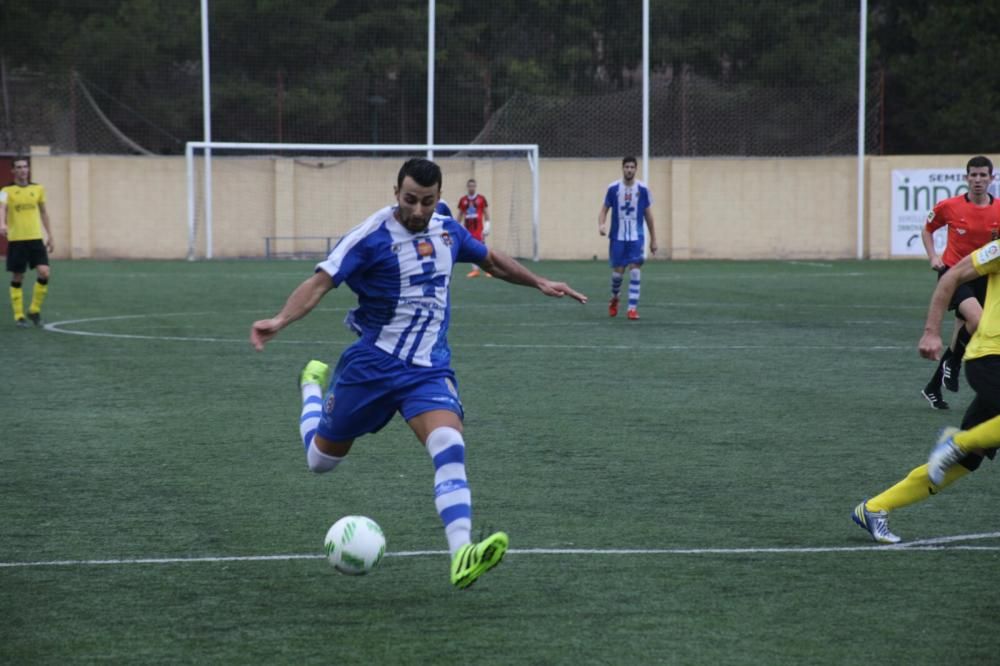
(56,327)
(936,544)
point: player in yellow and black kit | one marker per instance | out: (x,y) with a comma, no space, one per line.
(22,217)
(957,452)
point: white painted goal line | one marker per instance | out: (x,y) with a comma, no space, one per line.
(950,543)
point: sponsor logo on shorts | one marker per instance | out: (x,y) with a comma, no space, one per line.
(328,406)
(451,386)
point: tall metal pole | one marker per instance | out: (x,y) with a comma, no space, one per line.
(430,78)
(645,91)
(206,105)
(862,84)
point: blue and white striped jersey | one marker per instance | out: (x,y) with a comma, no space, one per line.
(402,282)
(628,206)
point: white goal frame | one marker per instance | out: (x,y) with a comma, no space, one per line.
(206,146)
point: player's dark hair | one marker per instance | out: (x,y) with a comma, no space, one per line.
(979,161)
(471,180)
(20,158)
(630,158)
(423,172)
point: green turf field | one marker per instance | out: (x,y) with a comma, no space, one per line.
(731,431)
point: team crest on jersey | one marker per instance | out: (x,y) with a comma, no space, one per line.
(425,248)
(446,239)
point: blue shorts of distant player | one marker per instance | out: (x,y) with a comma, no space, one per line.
(369,386)
(623,253)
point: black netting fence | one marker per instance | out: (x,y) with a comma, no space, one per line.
(727,79)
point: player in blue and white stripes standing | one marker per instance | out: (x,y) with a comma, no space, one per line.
(399,263)
(629,201)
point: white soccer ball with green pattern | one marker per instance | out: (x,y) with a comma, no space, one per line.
(355,545)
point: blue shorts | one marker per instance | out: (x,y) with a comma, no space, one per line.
(369,386)
(623,253)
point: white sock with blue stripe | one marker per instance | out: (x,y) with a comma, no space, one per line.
(616,284)
(451,488)
(312,410)
(633,288)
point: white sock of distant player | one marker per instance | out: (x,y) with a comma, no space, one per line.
(451,488)
(616,284)
(633,288)
(312,410)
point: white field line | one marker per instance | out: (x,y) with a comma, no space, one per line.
(58,327)
(936,544)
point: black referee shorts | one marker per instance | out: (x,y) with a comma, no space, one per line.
(25,254)
(973,289)
(983,374)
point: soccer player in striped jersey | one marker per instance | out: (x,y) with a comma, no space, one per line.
(973,219)
(629,201)
(957,452)
(399,263)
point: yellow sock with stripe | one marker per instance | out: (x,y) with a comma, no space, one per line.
(38,295)
(986,435)
(17,301)
(914,488)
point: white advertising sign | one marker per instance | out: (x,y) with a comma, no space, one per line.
(914,194)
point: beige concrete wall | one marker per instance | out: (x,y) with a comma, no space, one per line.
(136,207)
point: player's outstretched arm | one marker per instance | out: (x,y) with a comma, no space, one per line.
(506,268)
(299,304)
(930,345)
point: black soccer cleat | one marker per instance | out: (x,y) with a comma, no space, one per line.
(21,322)
(36,319)
(934,397)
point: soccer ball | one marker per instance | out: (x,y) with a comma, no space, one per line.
(354,545)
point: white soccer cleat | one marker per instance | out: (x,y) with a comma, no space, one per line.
(876,523)
(943,456)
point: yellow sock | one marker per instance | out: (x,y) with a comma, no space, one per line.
(986,435)
(38,297)
(915,487)
(17,302)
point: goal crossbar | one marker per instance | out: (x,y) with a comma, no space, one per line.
(530,150)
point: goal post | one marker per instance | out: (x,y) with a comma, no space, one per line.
(284,199)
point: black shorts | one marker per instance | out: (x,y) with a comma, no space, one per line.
(972,289)
(983,375)
(22,255)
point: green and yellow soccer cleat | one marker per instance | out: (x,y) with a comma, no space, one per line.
(474,559)
(315,372)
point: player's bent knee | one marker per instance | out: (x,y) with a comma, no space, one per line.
(320,462)
(442,438)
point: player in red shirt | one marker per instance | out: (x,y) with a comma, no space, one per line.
(973,220)
(474,213)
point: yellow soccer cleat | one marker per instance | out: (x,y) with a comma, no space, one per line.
(474,559)
(315,372)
